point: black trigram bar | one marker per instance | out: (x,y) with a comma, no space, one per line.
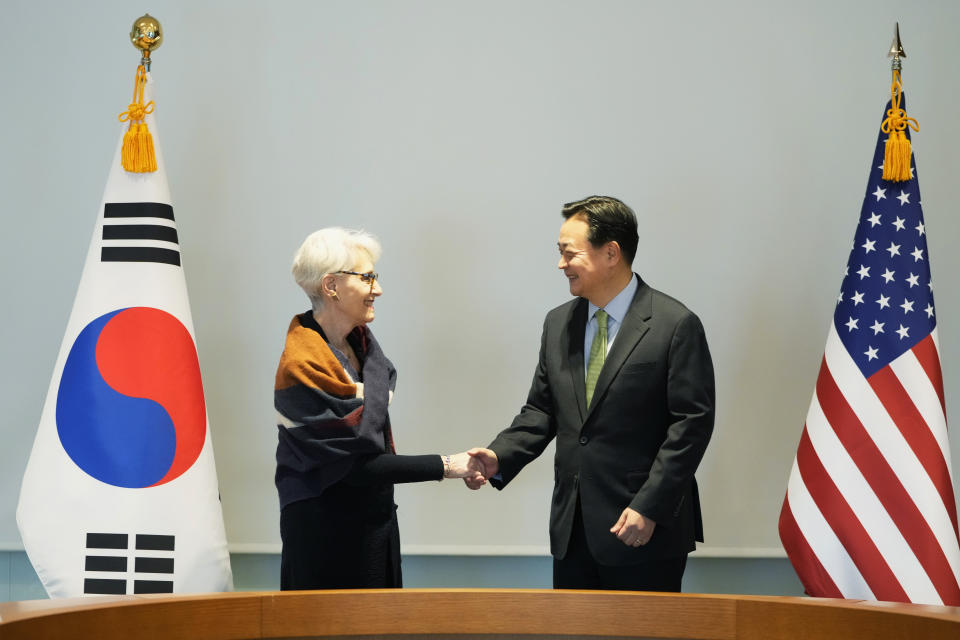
(103,586)
(140,254)
(115,210)
(139,232)
(154,543)
(153,565)
(107,541)
(137,210)
(152,586)
(105,563)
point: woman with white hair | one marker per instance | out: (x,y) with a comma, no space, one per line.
(336,464)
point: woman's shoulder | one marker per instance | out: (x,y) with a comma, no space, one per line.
(308,360)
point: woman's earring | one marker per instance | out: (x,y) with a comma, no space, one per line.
(333,295)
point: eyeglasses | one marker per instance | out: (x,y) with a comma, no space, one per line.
(369,277)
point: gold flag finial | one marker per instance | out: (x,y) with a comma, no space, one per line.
(137,153)
(146,35)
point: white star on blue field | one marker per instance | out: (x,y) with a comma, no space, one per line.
(885,306)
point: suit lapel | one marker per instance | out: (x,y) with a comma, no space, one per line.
(576,328)
(632,329)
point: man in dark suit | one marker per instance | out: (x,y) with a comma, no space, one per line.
(625,385)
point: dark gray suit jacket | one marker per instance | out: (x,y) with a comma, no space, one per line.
(639,442)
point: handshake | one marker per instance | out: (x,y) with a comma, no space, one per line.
(475,466)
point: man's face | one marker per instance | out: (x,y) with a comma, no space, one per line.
(580,261)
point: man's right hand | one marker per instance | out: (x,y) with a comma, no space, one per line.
(487,459)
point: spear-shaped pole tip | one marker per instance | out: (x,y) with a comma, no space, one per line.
(896,48)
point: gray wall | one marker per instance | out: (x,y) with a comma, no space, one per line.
(741,132)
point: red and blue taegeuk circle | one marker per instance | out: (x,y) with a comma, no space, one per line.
(130,408)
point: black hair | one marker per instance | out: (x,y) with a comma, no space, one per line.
(608,219)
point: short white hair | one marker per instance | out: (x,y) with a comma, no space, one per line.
(328,251)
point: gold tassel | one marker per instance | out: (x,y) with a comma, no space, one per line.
(896,153)
(137,155)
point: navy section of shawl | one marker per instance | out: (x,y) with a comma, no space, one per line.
(313,457)
(322,411)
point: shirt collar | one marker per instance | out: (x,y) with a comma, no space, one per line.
(617,308)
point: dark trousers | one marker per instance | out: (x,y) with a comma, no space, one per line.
(578,569)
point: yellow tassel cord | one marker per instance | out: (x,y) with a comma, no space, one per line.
(896,154)
(137,154)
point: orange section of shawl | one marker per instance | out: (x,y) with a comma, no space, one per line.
(308,360)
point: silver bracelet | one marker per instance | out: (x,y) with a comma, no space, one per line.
(446,466)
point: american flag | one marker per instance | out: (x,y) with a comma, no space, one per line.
(870,510)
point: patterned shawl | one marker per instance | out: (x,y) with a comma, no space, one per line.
(325,418)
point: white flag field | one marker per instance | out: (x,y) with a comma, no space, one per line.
(120,493)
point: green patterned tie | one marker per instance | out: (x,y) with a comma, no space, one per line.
(598,353)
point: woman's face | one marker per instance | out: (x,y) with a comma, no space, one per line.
(356,294)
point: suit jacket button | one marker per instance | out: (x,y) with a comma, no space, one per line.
(584,439)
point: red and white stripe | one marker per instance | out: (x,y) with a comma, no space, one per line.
(870,510)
